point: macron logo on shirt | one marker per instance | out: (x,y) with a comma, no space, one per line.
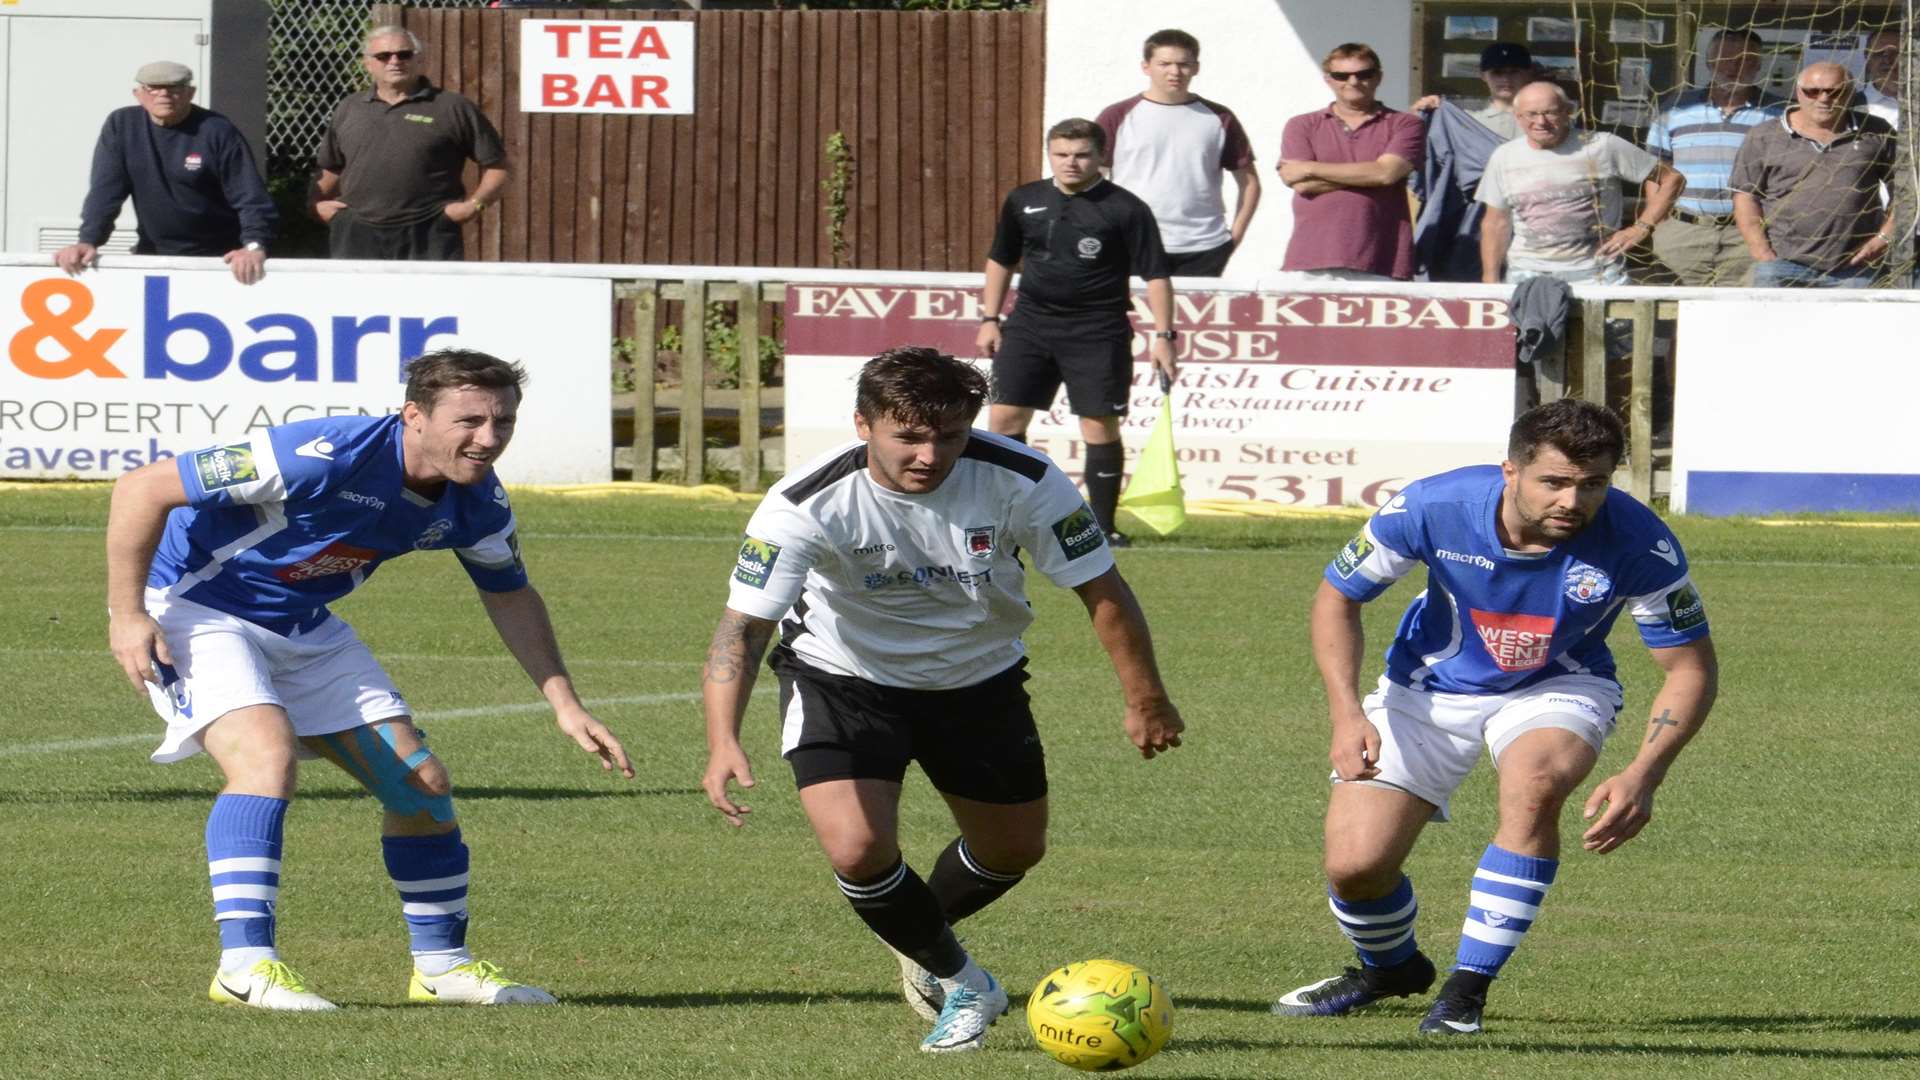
(320,448)
(1516,642)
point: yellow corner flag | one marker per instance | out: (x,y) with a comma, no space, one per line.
(1154,494)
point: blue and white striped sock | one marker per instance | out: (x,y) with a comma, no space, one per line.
(431,874)
(1508,889)
(1381,930)
(243,862)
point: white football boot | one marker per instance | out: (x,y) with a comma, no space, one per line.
(474,983)
(965,1018)
(269,984)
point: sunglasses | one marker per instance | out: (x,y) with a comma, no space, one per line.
(398,54)
(1832,93)
(1364,75)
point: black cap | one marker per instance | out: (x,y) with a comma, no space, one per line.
(1505,54)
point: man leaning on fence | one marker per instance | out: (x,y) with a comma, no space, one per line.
(1699,133)
(195,188)
(390,184)
(1808,192)
(1553,197)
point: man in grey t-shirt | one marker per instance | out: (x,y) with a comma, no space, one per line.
(1553,198)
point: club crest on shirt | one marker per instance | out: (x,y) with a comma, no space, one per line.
(755,565)
(1088,247)
(980,541)
(1587,584)
(225,466)
(433,534)
(192,162)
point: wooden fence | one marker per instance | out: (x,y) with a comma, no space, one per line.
(940,112)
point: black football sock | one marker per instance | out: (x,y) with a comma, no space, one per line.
(900,908)
(962,885)
(1105,462)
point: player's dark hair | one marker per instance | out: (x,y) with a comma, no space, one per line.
(1077,128)
(1352,50)
(1586,433)
(450,369)
(1179,39)
(919,387)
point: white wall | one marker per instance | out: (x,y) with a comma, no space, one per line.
(1260,58)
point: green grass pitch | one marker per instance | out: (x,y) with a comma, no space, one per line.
(1766,925)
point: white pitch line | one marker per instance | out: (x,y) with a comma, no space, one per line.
(1156,549)
(61,746)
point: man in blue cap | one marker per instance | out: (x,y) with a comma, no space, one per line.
(1505,67)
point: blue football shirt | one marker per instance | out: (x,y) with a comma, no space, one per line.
(1493,620)
(281,525)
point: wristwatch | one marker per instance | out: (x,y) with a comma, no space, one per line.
(255,245)
(1167,335)
(990,318)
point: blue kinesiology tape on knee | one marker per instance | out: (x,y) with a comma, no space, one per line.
(388,772)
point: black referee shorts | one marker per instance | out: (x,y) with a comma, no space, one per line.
(978,742)
(1093,356)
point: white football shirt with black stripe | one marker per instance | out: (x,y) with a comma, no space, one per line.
(920,591)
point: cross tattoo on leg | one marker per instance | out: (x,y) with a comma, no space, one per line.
(1658,722)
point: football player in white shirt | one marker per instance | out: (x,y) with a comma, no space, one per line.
(893,566)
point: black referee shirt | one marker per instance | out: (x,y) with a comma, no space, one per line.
(1077,250)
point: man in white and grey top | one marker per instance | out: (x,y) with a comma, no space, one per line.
(1171,147)
(894,567)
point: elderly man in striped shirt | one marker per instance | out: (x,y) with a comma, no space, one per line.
(1698,133)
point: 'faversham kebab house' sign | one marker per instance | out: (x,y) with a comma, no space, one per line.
(1302,399)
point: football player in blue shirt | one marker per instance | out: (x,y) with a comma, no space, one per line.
(1528,566)
(220,567)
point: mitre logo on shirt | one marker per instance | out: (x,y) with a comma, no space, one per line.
(335,558)
(1515,642)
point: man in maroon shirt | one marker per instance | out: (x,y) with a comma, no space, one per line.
(1347,165)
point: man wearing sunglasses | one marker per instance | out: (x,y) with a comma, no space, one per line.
(1347,165)
(1808,188)
(391,164)
(195,188)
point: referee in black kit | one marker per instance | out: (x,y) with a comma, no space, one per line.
(1080,235)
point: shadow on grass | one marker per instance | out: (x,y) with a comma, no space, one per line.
(460,794)
(1496,1043)
(1795,1023)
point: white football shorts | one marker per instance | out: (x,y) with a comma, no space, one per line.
(1429,742)
(325,679)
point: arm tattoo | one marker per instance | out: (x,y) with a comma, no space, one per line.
(1658,722)
(737,645)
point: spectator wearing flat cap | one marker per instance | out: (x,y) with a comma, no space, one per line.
(195,188)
